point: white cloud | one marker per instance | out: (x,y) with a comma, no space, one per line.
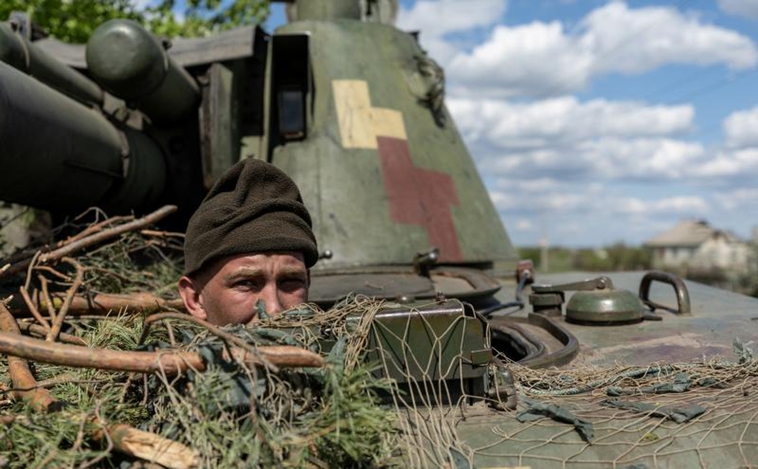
(645,159)
(729,163)
(563,138)
(747,8)
(741,129)
(601,213)
(738,200)
(436,19)
(540,59)
(608,169)
(683,205)
(524,225)
(593,198)
(559,121)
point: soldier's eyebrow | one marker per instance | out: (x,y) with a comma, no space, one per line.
(252,272)
(292,271)
(244,272)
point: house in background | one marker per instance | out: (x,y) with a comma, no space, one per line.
(697,247)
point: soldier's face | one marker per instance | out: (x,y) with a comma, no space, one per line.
(228,291)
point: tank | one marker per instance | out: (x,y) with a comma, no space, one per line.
(353,110)
(307,98)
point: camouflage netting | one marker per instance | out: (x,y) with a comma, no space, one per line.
(239,414)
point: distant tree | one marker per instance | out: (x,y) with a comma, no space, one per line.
(75,20)
(71,21)
(588,259)
(623,257)
(202,17)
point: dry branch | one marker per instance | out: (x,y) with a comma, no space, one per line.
(7,419)
(55,328)
(151,447)
(96,228)
(215,330)
(21,376)
(171,362)
(102,303)
(81,243)
(31,308)
(126,439)
(40,331)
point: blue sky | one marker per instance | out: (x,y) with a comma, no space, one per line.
(598,121)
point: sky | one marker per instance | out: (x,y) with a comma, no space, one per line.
(595,121)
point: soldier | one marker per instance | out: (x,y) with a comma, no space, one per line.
(250,241)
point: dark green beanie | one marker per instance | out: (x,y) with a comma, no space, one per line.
(254,207)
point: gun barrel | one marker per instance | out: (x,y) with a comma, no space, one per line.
(131,63)
(58,154)
(23,55)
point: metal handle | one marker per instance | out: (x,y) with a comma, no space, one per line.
(682,294)
(598,283)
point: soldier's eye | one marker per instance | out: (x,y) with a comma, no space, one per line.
(292,283)
(245,284)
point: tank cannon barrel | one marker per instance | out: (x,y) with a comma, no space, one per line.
(60,155)
(18,52)
(131,63)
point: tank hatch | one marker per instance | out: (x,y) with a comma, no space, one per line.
(402,284)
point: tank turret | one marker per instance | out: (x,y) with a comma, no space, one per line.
(348,105)
(357,118)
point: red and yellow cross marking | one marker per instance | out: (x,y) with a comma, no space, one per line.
(416,196)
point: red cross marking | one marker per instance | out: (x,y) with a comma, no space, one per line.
(420,196)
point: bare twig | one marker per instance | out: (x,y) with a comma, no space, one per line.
(40,331)
(55,329)
(19,371)
(123,438)
(162,234)
(170,361)
(231,338)
(93,239)
(29,267)
(46,297)
(50,270)
(103,303)
(55,381)
(32,308)
(92,229)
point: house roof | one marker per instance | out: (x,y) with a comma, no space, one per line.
(688,233)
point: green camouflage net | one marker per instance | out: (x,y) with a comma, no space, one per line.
(232,414)
(700,414)
(665,415)
(348,414)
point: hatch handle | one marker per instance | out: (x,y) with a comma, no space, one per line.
(424,261)
(590,284)
(682,294)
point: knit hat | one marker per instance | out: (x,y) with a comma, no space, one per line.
(254,207)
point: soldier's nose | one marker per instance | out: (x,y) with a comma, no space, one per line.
(270,297)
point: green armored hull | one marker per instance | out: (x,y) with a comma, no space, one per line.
(353,110)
